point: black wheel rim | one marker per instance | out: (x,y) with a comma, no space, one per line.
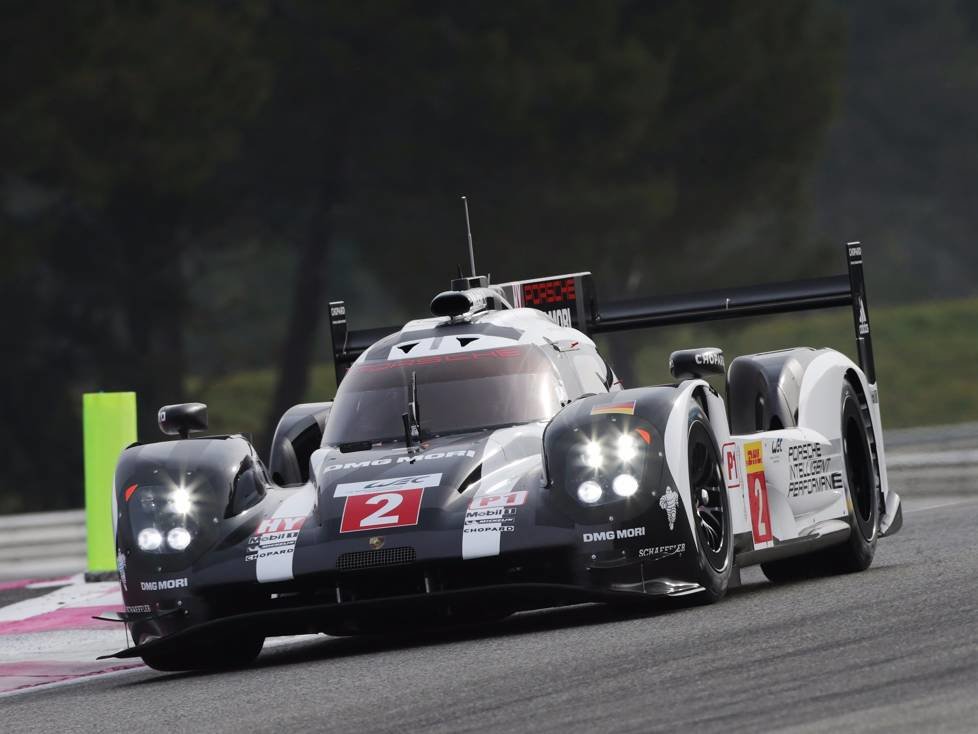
(708,494)
(861,479)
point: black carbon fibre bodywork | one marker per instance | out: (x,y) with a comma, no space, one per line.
(450,564)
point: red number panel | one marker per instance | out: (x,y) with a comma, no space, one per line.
(760,514)
(393,508)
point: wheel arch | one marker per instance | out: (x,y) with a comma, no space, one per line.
(298,434)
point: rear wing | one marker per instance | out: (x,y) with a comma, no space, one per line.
(570,300)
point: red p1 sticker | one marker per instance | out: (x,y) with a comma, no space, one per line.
(393,508)
(510,499)
(731,467)
(760,513)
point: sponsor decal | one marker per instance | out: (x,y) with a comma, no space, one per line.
(274,536)
(349,489)
(863,321)
(501,353)
(393,508)
(376,542)
(164,584)
(496,518)
(855,251)
(731,467)
(623,408)
(401,459)
(510,499)
(138,609)
(669,501)
(760,513)
(714,359)
(561,316)
(120,564)
(620,534)
(658,552)
(493,527)
(777,447)
(493,512)
(810,472)
(273,545)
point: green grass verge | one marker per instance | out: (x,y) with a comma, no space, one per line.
(926,354)
(926,358)
(239,402)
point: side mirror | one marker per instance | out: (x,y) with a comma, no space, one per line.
(688,364)
(183,419)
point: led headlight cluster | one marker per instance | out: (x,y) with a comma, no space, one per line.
(623,456)
(162,518)
(151,539)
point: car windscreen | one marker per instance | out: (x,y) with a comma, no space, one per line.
(459,392)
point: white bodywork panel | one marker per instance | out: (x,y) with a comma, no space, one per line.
(789,483)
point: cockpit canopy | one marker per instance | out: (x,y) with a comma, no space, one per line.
(457,392)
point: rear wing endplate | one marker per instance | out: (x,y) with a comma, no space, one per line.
(570,300)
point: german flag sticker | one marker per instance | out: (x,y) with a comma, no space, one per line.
(623,408)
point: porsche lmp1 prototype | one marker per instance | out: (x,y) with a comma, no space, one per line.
(487,460)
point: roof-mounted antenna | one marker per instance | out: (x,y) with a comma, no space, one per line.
(468,229)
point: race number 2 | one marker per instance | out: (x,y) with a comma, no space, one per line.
(760,513)
(392,508)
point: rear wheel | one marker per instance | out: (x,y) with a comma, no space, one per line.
(856,554)
(711,510)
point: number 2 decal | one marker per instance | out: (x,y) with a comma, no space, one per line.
(760,495)
(381,515)
(760,512)
(390,509)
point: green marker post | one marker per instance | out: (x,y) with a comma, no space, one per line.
(109,425)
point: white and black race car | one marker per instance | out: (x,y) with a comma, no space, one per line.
(487,460)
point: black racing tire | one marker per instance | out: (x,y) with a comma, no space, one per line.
(711,510)
(856,553)
(215,654)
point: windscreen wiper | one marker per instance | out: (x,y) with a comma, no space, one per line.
(412,419)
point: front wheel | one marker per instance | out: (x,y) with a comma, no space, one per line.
(711,510)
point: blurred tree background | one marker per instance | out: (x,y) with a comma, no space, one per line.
(185,185)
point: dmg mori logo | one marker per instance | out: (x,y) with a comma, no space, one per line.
(614,534)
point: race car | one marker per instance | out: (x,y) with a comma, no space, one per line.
(487,460)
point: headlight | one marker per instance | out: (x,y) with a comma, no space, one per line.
(149,539)
(626,448)
(178,538)
(592,455)
(611,466)
(625,485)
(164,518)
(589,492)
(180,500)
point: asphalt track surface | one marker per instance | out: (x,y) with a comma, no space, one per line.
(893,648)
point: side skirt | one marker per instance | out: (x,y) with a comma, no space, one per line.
(831,532)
